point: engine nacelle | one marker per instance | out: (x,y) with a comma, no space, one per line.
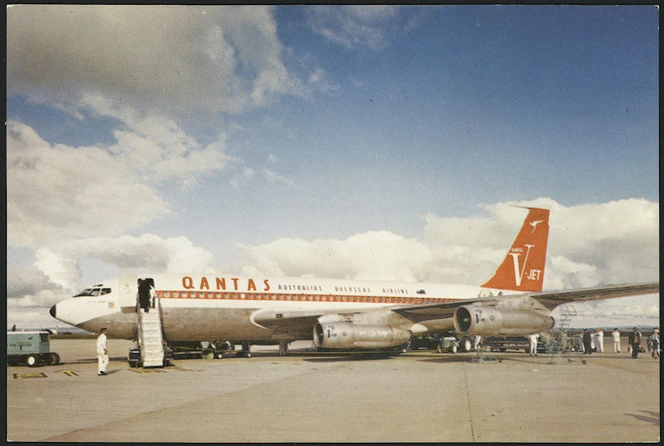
(491,321)
(340,335)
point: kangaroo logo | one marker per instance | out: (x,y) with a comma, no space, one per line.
(534,224)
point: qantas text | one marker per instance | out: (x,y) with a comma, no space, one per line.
(220,283)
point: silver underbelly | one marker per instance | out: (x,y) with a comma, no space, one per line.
(212,324)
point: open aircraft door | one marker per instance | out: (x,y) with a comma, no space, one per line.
(128,293)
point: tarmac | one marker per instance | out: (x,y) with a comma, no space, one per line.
(420,396)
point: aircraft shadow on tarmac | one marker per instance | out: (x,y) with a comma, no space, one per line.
(652,417)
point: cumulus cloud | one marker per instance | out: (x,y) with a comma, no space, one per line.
(30,293)
(180,58)
(55,191)
(147,252)
(56,272)
(589,245)
(374,255)
(58,192)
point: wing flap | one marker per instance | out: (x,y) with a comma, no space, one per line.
(552,300)
(288,324)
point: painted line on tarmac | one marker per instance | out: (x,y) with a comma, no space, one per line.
(68,372)
(29,375)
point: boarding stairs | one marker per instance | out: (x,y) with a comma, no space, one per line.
(150,337)
(560,341)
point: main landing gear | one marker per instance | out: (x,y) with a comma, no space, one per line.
(244,353)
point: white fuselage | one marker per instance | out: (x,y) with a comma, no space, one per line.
(197,307)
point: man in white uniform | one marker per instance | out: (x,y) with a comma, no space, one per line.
(102,352)
(615,334)
(533,344)
(600,341)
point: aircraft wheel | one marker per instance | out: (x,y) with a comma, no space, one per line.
(32,360)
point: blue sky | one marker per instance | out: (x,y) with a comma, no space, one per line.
(204,137)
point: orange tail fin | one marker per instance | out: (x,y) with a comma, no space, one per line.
(523,267)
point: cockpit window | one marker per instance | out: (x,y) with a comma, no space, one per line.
(93,292)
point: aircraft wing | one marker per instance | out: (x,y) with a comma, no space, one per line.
(552,300)
(299,324)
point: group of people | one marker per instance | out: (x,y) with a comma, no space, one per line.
(635,338)
(594,341)
(653,343)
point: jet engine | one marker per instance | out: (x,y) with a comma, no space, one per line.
(491,321)
(340,335)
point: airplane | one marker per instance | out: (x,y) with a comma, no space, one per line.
(337,314)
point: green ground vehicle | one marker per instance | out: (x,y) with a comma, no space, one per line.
(31,348)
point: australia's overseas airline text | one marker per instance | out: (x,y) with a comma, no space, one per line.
(263,285)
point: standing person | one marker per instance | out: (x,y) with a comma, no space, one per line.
(600,341)
(144,295)
(587,349)
(153,294)
(655,343)
(102,352)
(635,342)
(533,344)
(477,341)
(615,334)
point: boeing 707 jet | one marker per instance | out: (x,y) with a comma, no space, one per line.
(334,313)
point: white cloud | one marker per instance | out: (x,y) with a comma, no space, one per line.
(626,311)
(30,294)
(354,26)
(56,192)
(379,255)
(56,272)
(468,250)
(147,252)
(179,58)
(62,271)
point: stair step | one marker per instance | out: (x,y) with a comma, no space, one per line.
(151,338)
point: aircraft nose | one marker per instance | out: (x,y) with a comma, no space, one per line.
(52,310)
